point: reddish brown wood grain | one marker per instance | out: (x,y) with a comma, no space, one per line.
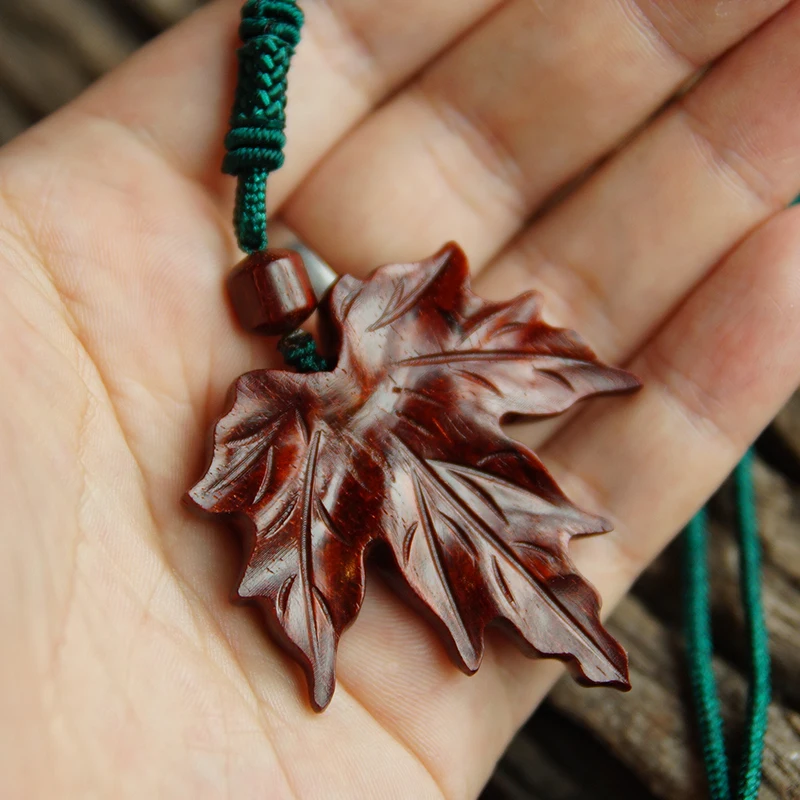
(402,444)
(271,292)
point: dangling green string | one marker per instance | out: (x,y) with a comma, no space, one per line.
(750,583)
(270,32)
(700,646)
(700,649)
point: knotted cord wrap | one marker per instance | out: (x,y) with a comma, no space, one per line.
(270,32)
(299,350)
(700,647)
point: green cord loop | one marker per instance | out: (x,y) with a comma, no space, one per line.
(270,32)
(700,645)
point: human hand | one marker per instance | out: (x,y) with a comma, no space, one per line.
(126,670)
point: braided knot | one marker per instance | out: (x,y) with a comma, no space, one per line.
(270,31)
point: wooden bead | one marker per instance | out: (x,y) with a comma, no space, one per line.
(271,292)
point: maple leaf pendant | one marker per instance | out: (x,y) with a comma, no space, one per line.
(401,443)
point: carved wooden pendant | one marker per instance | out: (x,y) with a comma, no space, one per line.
(401,443)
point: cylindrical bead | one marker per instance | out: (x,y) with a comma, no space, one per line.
(271,292)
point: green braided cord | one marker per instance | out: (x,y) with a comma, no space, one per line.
(299,350)
(700,647)
(758,696)
(270,32)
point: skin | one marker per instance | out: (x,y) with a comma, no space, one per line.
(126,671)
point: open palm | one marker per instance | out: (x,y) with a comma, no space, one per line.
(126,672)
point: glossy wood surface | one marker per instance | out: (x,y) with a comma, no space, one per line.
(271,292)
(402,444)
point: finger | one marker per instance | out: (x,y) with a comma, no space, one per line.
(521,105)
(713,378)
(175,95)
(79,178)
(619,253)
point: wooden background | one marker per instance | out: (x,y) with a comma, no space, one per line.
(582,745)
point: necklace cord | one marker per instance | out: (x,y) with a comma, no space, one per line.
(699,645)
(270,32)
(750,582)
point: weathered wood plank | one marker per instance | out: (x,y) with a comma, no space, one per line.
(780,531)
(528,774)
(13,118)
(86,32)
(779,517)
(787,424)
(649,729)
(164,12)
(37,68)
